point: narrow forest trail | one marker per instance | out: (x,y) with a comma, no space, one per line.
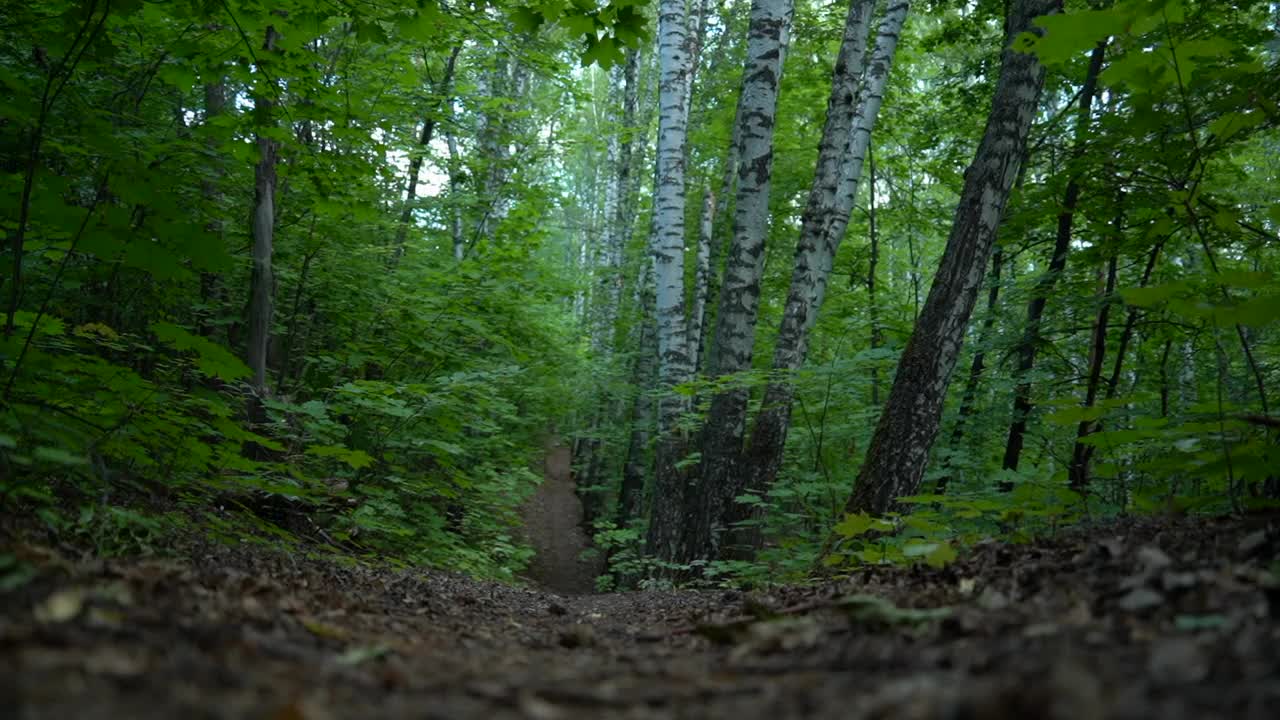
(1159,619)
(553,526)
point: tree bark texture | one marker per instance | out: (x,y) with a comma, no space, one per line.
(1030,343)
(702,278)
(899,448)
(261,282)
(722,433)
(857,89)
(667,248)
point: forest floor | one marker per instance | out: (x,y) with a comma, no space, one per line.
(1160,618)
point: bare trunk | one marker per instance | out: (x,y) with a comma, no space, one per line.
(1082,453)
(873,308)
(1078,470)
(441,91)
(899,449)
(261,282)
(667,247)
(851,114)
(722,433)
(1030,342)
(702,278)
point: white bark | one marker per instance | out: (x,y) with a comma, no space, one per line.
(740,289)
(702,277)
(832,197)
(667,241)
(667,247)
(857,87)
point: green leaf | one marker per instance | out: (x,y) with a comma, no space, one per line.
(1071,34)
(357,459)
(58,456)
(1153,295)
(212,360)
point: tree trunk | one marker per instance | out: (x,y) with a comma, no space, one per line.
(702,278)
(873,308)
(1030,342)
(261,282)
(215,103)
(851,114)
(722,433)
(899,449)
(441,92)
(644,375)
(1082,454)
(455,189)
(1078,470)
(667,248)
(969,399)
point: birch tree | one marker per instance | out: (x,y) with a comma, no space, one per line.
(721,442)
(857,90)
(667,247)
(899,448)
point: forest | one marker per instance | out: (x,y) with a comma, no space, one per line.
(640,358)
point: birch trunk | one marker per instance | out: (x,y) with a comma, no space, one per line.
(721,441)
(261,282)
(667,248)
(899,449)
(702,278)
(644,374)
(455,189)
(1030,342)
(857,89)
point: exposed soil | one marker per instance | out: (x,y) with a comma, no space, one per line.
(553,527)
(1157,619)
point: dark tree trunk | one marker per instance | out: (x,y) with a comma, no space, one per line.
(261,282)
(1081,453)
(1078,470)
(441,92)
(1030,342)
(899,449)
(873,309)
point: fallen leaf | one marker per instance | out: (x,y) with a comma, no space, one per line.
(1140,599)
(61,606)
(357,655)
(114,662)
(1200,622)
(1177,661)
(1153,558)
(1252,542)
(992,599)
(324,630)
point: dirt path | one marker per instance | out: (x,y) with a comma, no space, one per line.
(1143,621)
(553,526)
